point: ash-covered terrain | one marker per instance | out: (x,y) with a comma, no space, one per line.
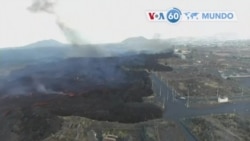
(106,89)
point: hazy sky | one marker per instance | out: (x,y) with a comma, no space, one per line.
(102,21)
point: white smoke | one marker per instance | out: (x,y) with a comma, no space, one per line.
(42,89)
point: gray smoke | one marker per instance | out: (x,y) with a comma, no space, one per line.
(48,6)
(43,5)
(83,48)
(73,36)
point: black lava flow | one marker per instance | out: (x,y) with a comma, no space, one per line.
(109,89)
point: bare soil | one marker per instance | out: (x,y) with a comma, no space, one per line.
(220,127)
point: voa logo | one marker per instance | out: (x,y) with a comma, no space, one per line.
(218,16)
(156,16)
(172,15)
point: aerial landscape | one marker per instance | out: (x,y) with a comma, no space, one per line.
(137,90)
(91,70)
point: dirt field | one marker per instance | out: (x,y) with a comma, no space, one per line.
(200,74)
(80,129)
(220,127)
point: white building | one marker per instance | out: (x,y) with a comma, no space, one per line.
(222,99)
(181,53)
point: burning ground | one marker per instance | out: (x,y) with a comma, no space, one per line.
(108,89)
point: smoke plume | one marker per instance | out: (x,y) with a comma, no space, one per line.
(43,5)
(48,6)
(84,49)
(73,36)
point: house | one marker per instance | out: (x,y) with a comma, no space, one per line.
(222,99)
(110,137)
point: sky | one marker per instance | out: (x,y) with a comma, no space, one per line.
(108,21)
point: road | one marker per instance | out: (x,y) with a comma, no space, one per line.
(177,109)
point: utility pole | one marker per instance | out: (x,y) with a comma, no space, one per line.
(242,91)
(188,99)
(167,95)
(167,90)
(173,94)
(217,93)
(160,91)
(152,87)
(163,104)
